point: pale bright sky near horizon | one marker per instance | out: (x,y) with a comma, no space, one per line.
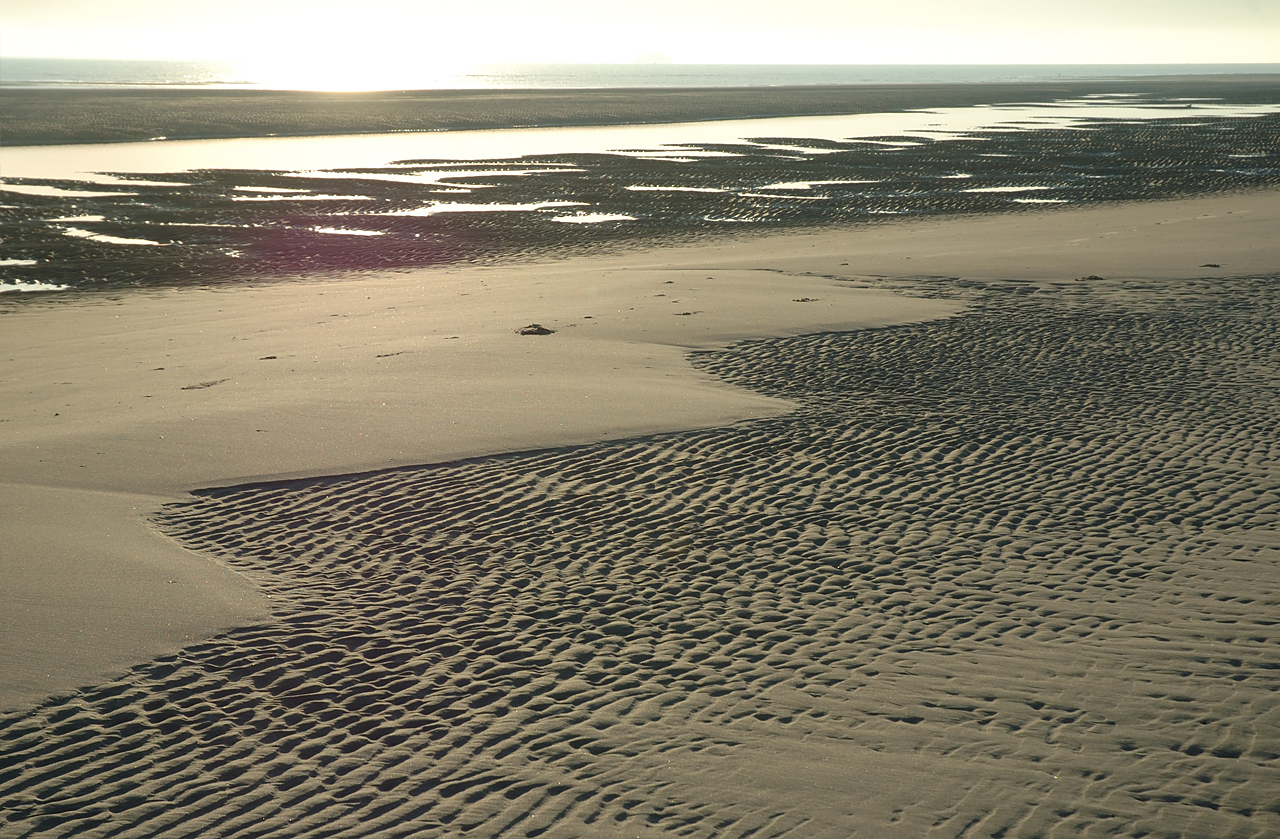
(396,36)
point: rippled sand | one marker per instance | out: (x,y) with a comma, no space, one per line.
(1011,573)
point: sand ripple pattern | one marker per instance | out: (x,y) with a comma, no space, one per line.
(1008,575)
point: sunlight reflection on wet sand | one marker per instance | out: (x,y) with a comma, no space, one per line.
(295,154)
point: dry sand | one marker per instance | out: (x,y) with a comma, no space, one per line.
(89,589)
(1010,571)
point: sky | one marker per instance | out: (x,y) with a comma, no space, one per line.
(391,36)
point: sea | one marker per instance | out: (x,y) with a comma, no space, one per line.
(89,73)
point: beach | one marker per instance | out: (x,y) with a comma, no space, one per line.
(944,526)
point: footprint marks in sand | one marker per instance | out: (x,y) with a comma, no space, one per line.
(1010,574)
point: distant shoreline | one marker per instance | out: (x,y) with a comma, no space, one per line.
(47,116)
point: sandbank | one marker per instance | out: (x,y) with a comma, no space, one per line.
(158,393)
(954,527)
(154,394)
(57,116)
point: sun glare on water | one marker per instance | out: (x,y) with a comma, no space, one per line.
(350,73)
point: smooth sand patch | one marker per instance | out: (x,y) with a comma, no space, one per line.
(176,390)
(90,589)
(1156,240)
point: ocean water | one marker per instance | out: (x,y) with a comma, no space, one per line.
(49,72)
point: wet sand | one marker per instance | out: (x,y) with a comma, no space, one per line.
(42,116)
(255,210)
(1007,567)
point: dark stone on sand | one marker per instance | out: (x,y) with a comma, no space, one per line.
(535,329)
